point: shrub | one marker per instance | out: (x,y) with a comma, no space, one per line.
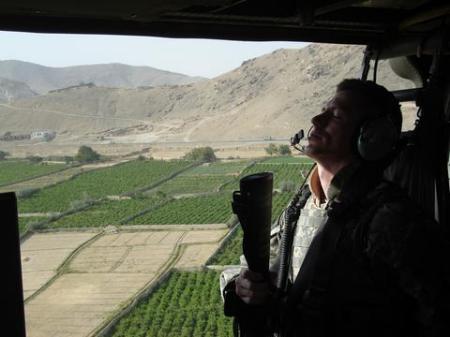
(77,204)
(35,159)
(53,215)
(3,155)
(69,159)
(232,221)
(86,155)
(84,201)
(271,149)
(161,194)
(203,154)
(284,150)
(287,186)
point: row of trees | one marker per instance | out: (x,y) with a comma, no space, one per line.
(282,150)
(206,154)
(85,154)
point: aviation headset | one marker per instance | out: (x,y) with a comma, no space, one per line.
(376,139)
(378,136)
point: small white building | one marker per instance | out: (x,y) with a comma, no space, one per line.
(43,135)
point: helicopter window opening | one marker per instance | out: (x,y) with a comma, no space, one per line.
(387,77)
(124,184)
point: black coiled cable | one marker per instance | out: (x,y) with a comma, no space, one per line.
(291,215)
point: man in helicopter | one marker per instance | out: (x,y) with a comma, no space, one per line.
(365,260)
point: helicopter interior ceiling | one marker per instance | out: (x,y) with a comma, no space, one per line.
(333,21)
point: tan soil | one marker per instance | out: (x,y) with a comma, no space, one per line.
(106,274)
(42,254)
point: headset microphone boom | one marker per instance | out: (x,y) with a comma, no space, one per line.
(295,140)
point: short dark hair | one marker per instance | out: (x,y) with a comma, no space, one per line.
(375,96)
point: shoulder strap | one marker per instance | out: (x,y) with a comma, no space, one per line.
(290,217)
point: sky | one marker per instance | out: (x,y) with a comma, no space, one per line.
(194,57)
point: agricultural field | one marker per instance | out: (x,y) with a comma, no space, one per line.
(230,252)
(100,183)
(190,184)
(279,202)
(51,178)
(25,222)
(107,212)
(205,178)
(288,160)
(284,173)
(17,170)
(187,304)
(233,168)
(210,209)
(104,274)
(43,254)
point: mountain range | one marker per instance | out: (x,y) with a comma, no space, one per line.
(42,79)
(268,97)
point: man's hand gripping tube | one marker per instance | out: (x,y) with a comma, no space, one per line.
(253,206)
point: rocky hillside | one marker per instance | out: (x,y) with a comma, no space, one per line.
(43,79)
(13,90)
(268,97)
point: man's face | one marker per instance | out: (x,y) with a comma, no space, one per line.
(333,130)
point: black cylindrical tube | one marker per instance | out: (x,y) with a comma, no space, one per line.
(253,205)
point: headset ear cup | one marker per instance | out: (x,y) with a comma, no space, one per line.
(377,138)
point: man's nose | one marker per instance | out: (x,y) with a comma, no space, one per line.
(320,119)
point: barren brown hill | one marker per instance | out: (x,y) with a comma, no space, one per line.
(13,90)
(268,97)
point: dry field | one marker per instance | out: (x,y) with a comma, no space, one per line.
(43,254)
(106,274)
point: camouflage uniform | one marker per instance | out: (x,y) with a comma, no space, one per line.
(312,216)
(390,276)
